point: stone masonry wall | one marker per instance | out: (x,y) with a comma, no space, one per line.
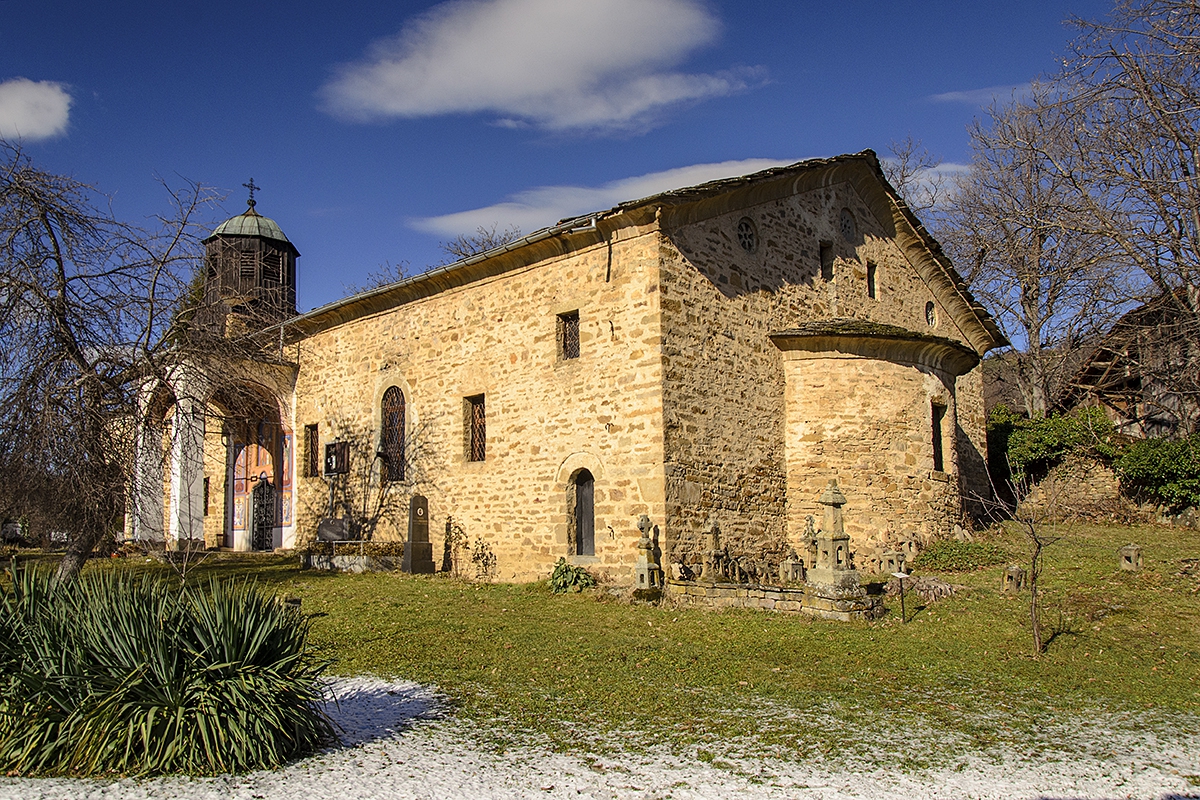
(724,390)
(868,423)
(973,480)
(546,417)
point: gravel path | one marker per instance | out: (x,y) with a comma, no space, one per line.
(398,746)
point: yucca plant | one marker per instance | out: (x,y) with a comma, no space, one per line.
(117,673)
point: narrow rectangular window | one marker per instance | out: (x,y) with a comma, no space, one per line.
(871,279)
(247,265)
(568,335)
(312,451)
(476,429)
(206,496)
(826,261)
(939,414)
(271,267)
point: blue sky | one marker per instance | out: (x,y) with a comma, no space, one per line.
(377,130)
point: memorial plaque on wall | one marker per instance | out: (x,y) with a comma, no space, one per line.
(337,458)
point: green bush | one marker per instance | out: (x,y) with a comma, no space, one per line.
(955,556)
(568,578)
(1034,445)
(133,675)
(1162,470)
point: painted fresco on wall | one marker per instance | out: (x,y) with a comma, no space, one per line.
(285,494)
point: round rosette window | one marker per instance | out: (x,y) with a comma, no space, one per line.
(747,234)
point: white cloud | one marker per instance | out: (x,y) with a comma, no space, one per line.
(985,96)
(544,205)
(556,64)
(32,110)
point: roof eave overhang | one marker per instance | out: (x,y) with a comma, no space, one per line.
(886,344)
(562,239)
(678,207)
(284,243)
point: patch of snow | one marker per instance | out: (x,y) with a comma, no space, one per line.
(399,743)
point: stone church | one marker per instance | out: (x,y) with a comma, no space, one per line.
(707,356)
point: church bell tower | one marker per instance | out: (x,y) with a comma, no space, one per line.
(250,272)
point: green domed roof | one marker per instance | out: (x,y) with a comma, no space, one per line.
(250,223)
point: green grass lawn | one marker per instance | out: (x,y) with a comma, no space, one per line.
(584,669)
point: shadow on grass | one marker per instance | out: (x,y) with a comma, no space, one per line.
(1064,626)
(369,709)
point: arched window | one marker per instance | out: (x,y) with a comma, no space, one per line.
(583,490)
(393,434)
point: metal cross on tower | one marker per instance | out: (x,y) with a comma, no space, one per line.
(252,189)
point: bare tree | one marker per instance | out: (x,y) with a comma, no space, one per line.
(1134,103)
(1035,511)
(484,239)
(89,309)
(372,495)
(387,273)
(1015,226)
(916,174)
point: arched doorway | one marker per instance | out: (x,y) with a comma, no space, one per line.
(262,514)
(258,478)
(254,516)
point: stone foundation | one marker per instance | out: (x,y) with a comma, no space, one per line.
(351,563)
(789,599)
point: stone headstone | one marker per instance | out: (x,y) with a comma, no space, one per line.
(791,569)
(892,561)
(418,551)
(1013,580)
(1131,558)
(333,529)
(647,574)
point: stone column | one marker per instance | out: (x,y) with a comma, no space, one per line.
(186,520)
(833,568)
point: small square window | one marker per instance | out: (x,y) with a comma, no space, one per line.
(568,335)
(476,428)
(337,458)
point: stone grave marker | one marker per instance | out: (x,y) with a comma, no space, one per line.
(418,550)
(1131,558)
